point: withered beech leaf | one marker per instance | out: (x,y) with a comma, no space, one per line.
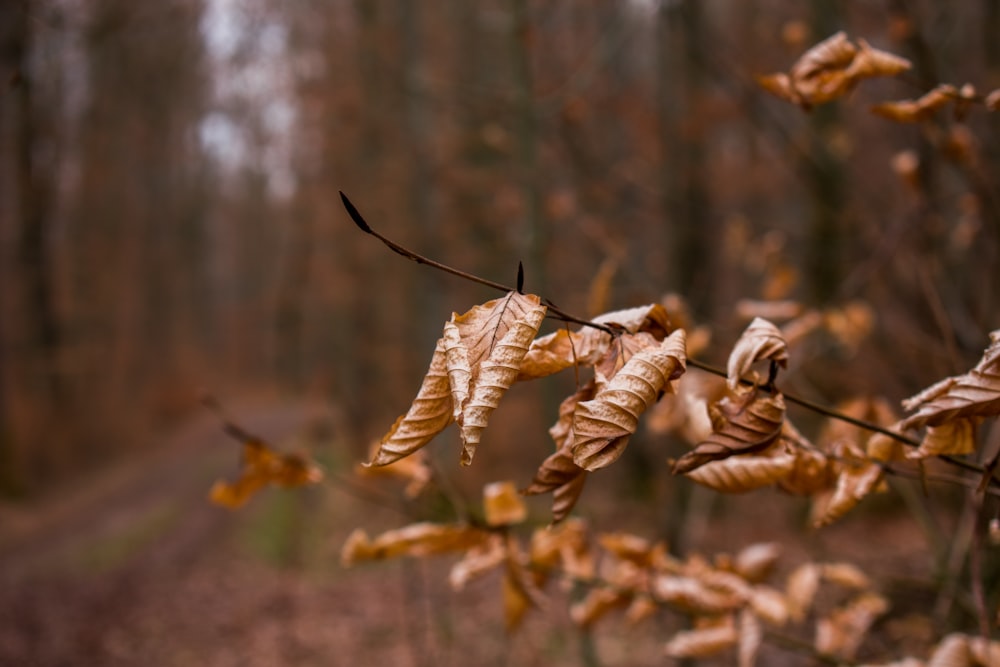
(262,466)
(744,422)
(992,100)
(418,539)
(830,69)
(974,394)
(562,349)
(413,469)
(920,109)
(833,53)
(692,596)
(739,474)
(603,425)
(429,414)
(520,593)
(477,561)
(871,62)
(502,504)
(760,341)
(704,641)
(597,603)
(955,437)
(558,473)
(565,547)
(857,477)
(841,632)
(495,337)
(617,355)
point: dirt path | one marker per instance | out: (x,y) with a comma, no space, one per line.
(135,567)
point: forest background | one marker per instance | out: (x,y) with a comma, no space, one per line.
(170,225)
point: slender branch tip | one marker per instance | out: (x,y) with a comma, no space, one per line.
(355,215)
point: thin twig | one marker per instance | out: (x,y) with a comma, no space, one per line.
(420,259)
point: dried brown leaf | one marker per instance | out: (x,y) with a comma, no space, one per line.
(558,473)
(502,504)
(870,62)
(920,109)
(692,596)
(770,605)
(413,469)
(261,467)
(418,539)
(744,422)
(760,341)
(703,642)
(477,561)
(955,437)
(952,651)
(596,604)
(564,546)
(751,635)
(429,414)
(496,337)
(853,483)
(992,100)
(603,425)
(833,53)
(841,632)
(779,84)
(974,394)
(740,474)
(755,562)
(563,348)
(800,590)
(516,602)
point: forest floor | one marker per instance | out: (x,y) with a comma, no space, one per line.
(135,567)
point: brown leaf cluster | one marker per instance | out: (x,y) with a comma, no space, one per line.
(752,444)
(831,69)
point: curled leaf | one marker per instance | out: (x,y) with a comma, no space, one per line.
(596,604)
(558,473)
(955,437)
(842,631)
(262,466)
(563,348)
(920,109)
(744,422)
(739,474)
(830,69)
(429,414)
(418,539)
(692,596)
(495,338)
(413,469)
(603,425)
(761,340)
(703,642)
(974,394)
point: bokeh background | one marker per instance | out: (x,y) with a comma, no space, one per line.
(170,225)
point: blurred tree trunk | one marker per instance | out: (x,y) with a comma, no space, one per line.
(534,235)
(418,148)
(686,206)
(825,175)
(30,337)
